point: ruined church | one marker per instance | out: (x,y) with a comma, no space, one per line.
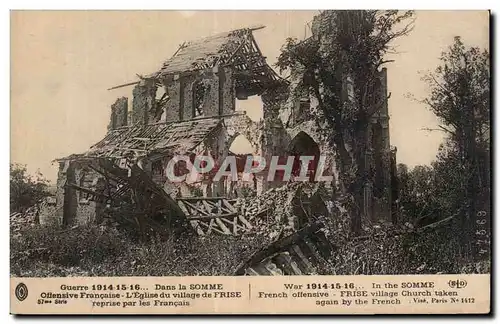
(188,107)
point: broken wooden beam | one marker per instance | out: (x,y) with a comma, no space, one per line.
(211,216)
(278,246)
(88,191)
(124,85)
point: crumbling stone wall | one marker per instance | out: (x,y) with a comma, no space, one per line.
(144,100)
(173,88)
(219,96)
(211,98)
(119,113)
(71,207)
(274,136)
(63,198)
(186,97)
(227,91)
(86,210)
(47,212)
(66,200)
(241,124)
(377,191)
(60,195)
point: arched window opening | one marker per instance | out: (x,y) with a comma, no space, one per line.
(241,149)
(241,145)
(160,102)
(199,93)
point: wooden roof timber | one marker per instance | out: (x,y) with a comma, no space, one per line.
(209,52)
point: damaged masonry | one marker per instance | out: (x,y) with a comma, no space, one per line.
(188,107)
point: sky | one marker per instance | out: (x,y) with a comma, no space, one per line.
(63,62)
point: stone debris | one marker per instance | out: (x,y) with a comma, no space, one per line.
(20,221)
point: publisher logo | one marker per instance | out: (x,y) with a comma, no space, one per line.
(459,283)
(21,291)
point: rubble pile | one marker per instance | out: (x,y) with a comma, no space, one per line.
(274,210)
(20,221)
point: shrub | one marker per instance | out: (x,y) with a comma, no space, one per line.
(82,246)
(103,251)
(25,190)
(394,251)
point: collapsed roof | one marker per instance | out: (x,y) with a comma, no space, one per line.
(236,48)
(142,140)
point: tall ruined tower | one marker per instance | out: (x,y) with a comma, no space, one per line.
(328,30)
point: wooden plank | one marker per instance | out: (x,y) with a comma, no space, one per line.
(202,198)
(191,206)
(219,207)
(211,228)
(224,227)
(88,191)
(227,210)
(233,222)
(120,192)
(210,206)
(107,175)
(228,220)
(197,227)
(323,245)
(303,258)
(304,269)
(124,85)
(244,221)
(309,249)
(262,270)
(229,206)
(273,268)
(251,272)
(288,264)
(207,206)
(235,226)
(210,216)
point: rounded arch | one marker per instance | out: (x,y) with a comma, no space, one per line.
(237,125)
(304,145)
(241,147)
(239,144)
